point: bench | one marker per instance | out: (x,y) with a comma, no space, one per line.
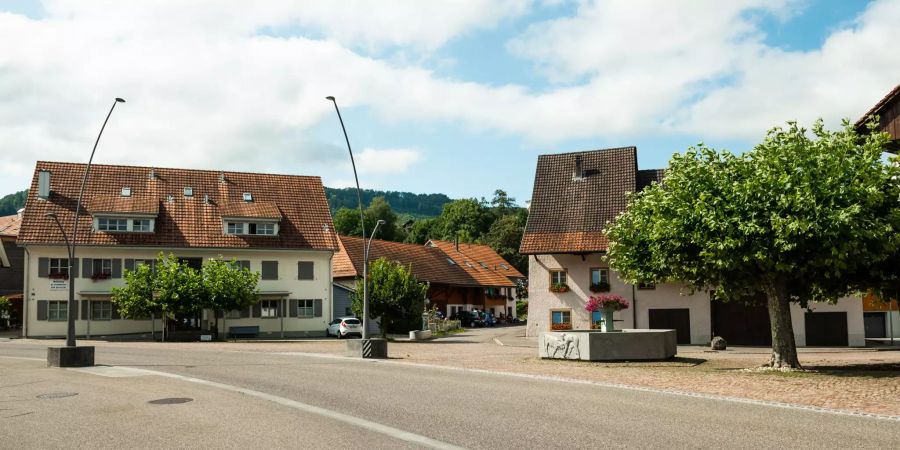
(247,331)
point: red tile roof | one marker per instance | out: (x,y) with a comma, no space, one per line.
(481,261)
(254,210)
(181,221)
(569,211)
(429,264)
(9,225)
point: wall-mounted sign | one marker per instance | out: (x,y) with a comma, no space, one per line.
(59,285)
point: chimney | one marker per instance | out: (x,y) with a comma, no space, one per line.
(457,242)
(578,172)
(20,212)
(152,175)
(44,184)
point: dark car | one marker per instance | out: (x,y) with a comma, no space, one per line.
(467,319)
(489,320)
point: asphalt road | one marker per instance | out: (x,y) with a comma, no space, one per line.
(261,400)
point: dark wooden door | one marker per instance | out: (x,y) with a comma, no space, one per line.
(741,324)
(875,324)
(828,329)
(673,319)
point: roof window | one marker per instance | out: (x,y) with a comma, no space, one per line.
(126,192)
(188,191)
(451,262)
(248,197)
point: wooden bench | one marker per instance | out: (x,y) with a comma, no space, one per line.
(246,331)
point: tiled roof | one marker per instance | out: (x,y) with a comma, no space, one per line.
(9,225)
(182,221)
(568,214)
(645,177)
(894,94)
(429,264)
(254,209)
(481,261)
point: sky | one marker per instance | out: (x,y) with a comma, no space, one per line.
(450,96)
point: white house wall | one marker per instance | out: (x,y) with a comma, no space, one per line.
(318,288)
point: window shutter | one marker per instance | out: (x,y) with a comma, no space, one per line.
(74,270)
(292,308)
(317,307)
(115,311)
(129,265)
(305,270)
(257,309)
(97,266)
(42,309)
(270,270)
(117,268)
(87,269)
(44,269)
(85,307)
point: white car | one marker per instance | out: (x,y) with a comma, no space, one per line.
(344,326)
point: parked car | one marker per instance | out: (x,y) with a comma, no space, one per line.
(343,327)
(489,320)
(466,319)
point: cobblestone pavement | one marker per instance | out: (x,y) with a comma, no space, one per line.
(861,380)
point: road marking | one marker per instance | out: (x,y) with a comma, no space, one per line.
(630,387)
(24,358)
(497,341)
(114,371)
(348,419)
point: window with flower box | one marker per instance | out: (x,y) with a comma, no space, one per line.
(599,280)
(59,268)
(561,319)
(558,281)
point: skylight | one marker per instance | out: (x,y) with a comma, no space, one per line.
(188,191)
(248,197)
(451,262)
(126,192)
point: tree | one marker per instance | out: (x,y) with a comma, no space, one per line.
(421,231)
(797,219)
(395,296)
(505,236)
(466,219)
(502,203)
(227,287)
(11,203)
(346,220)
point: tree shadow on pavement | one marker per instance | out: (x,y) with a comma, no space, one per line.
(871,370)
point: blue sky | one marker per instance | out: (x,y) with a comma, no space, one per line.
(451,97)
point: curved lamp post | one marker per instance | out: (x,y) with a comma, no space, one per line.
(362,225)
(70,243)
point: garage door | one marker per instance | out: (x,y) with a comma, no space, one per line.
(741,324)
(828,329)
(875,324)
(673,319)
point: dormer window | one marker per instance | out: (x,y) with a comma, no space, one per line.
(124,224)
(112,224)
(251,228)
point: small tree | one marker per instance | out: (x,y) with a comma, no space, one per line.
(227,287)
(395,296)
(797,219)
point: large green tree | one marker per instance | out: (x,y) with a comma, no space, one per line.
(804,216)
(346,221)
(395,296)
(467,219)
(227,287)
(505,237)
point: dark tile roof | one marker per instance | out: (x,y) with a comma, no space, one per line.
(181,221)
(891,96)
(429,264)
(568,213)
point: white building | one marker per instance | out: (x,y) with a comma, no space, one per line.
(278,225)
(575,195)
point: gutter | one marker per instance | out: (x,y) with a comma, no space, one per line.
(26,296)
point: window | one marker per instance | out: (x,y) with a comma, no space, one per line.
(59,267)
(101,311)
(235,228)
(596,320)
(305,270)
(305,308)
(561,319)
(57,311)
(557,277)
(140,225)
(102,268)
(112,224)
(646,286)
(599,276)
(270,270)
(267,229)
(269,308)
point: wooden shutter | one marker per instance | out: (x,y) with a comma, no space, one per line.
(87,269)
(292,308)
(129,265)
(257,309)
(74,270)
(85,308)
(42,309)
(97,266)
(270,270)
(43,269)
(116,268)
(305,270)
(317,307)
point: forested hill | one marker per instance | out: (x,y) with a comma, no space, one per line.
(418,205)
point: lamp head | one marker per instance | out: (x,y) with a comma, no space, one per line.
(329,98)
(120,100)
(380,222)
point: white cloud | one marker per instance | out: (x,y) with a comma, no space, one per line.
(386,161)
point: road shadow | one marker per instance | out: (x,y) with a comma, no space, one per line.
(867,370)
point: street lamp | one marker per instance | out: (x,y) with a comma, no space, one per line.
(362,224)
(70,246)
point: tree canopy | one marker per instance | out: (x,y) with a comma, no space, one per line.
(395,296)
(346,221)
(804,216)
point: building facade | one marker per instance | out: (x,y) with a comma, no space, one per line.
(277,225)
(575,196)
(12,269)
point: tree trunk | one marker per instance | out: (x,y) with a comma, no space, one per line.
(784,349)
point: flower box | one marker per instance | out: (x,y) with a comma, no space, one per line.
(101,276)
(58,276)
(600,287)
(559,287)
(561,326)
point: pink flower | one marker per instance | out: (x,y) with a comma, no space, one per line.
(606,301)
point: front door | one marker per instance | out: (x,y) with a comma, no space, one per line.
(673,319)
(875,324)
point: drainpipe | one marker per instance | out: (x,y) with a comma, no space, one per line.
(633,307)
(26,296)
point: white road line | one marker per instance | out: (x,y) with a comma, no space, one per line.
(352,420)
(630,387)
(24,358)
